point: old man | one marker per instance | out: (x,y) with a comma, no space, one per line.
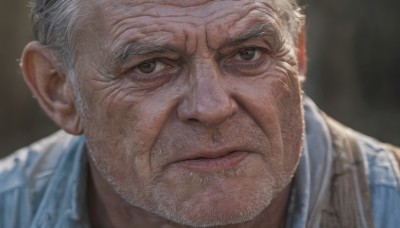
(186,113)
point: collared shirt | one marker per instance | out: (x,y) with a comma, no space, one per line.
(44,185)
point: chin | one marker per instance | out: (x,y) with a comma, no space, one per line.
(230,212)
(217,202)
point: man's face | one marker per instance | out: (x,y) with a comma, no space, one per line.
(192,109)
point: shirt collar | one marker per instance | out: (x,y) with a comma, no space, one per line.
(64,202)
(311,179)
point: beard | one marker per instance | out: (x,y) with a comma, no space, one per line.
(207,214)
(204,210)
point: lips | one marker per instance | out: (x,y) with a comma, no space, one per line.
(213,161)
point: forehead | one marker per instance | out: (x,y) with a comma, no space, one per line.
(181,21)
(199,11)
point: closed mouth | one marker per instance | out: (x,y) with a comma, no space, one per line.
(213,162)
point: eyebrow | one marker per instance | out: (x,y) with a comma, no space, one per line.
(137,48)
(132,49)
(263,29)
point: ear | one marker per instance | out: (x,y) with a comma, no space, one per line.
(302,51)
(46,77)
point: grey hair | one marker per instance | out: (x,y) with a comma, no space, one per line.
(54,25)
(292,16)
(55,21)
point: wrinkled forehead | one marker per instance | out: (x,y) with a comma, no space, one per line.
(197,11)
(199,8)
(159,21)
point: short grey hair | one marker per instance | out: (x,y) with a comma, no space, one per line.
(54,24)
(292,17)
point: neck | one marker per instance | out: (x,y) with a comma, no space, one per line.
(108,209)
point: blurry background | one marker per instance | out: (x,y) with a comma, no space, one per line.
(353,71)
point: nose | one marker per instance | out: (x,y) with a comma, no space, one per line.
(209,101)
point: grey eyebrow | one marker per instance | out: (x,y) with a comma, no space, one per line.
(257,30)
(131,49)
(136,48)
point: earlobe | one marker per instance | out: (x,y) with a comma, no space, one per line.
(47,79)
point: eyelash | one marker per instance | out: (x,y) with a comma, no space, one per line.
(240,66)
(172,68)
(169,69)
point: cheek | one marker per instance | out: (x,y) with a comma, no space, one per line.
(290,113)
(111,139)
(122,128)
(271,101)
(275,105)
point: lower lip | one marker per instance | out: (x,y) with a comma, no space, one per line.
(229,161)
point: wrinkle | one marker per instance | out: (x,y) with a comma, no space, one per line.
(256,123)
(124,24)
(111,101)
(212,16)
(290,72)
(216,137)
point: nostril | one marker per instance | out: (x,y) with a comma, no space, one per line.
(193,120)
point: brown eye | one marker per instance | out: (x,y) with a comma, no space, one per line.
(247,61)
(147,67)
(247,53)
